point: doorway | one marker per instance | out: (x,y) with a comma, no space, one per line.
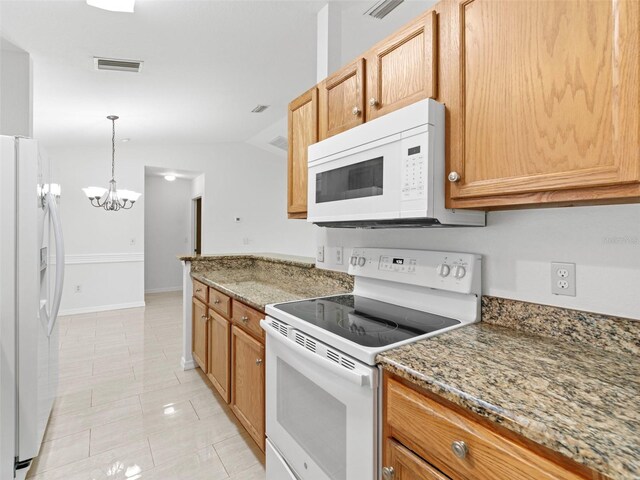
(197,226)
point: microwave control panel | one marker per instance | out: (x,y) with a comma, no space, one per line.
(413,173)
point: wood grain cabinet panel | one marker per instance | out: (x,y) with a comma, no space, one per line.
(199,331)
(247,383)
(248,318)
(219,354)
(341,100)
(432,430)
(200,291)
(402,69)
(403,464)
(303,131)
(220,302)
(543,98)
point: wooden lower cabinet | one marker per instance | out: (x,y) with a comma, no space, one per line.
(219,354)
(402,464)
(199,333)
(247,383)
(423,433)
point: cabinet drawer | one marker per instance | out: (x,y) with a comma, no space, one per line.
(220,302)
(248,318)
(200,291)
(434,432)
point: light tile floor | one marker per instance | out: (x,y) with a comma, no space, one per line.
(127,411)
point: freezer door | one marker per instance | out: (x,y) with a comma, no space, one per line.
(35,395)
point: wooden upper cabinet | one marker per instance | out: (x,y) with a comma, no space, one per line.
(341,98)
(402,69)
(303,131)
(543,101)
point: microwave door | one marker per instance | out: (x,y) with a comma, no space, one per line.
(361,186)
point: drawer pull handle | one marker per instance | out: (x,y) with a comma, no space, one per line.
(258,361)
(204,317)
(388,473)
(459,448)
(244,319)
(216,301)
(198,290)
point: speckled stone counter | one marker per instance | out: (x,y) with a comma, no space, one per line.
(261,279)
(579,399)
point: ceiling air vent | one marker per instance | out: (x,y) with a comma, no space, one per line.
(382,8)
(117,64)
(260,108)
(280,142)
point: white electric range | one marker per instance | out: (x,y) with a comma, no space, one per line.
(322,382)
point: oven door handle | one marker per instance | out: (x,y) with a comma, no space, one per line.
(343,372)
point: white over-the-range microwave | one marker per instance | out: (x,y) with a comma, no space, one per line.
(389,172)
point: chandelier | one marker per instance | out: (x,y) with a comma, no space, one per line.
(111,198)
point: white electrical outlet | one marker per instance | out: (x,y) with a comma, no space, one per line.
(563,279)
(320,254)
(337,258)
(246,241)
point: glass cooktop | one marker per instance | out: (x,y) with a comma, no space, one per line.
(367,322)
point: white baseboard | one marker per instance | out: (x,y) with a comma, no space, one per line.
(187,364)
(100,308)
(177,288)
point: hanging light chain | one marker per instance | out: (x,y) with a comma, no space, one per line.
(113,148)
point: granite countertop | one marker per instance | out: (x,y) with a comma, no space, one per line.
(576,399)
(261,279)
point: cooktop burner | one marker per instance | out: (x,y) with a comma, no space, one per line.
(367,322)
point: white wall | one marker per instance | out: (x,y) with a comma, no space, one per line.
(518,246)
(167,225)
(240,180)
(16,91)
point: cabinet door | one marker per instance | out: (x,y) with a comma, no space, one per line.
(247,384)
(219,353)
(303,131)
(543,100)
(199,331)
(402,464)
(403,68)
(342,100)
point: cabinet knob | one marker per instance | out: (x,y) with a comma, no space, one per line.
(204,317)
(198,290)
(454,177)
(388,473)
(373,102)
(244,319)
(258,361)
(355,111)
(216,301)
(459,448)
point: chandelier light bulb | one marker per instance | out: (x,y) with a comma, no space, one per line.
(169,178)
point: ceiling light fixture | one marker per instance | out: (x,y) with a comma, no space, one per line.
(125,6)
(382,8)
(111,199)
(169,178)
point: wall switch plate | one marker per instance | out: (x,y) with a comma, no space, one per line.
(338,256)
(563,279)
(320,254)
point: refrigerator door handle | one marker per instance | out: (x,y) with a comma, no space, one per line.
(57,232)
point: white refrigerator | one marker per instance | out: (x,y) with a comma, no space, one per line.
(30,293)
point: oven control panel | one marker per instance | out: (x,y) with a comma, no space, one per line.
(452,271)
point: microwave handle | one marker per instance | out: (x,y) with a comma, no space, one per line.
(351,376)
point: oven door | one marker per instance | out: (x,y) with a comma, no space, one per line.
(321,415)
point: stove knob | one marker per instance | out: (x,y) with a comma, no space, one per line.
(459,271)
(362,261)
(353,260)
(443,270)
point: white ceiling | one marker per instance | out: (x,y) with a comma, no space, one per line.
(206,65)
